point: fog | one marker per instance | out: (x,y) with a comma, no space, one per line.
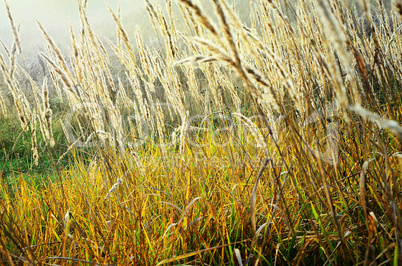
(55,16)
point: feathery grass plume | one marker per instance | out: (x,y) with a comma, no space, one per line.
(253,88)
(3,68)
(380,121)
(338,39)
(41,109)
(152,14)
(124,38)
(171,29)
(35,153)
(253,22)
(352,27)
(22,111)
(114,187)
(175,94)
(253,130)
(228,34)
(166,32)
(3,106)
(60,58)
(67,222)
(135,156)
(211,75)
(225,82)
(161,127)
(241,30)
(362,188)
(145,63)
(95,46)
(216,51)
(5,48)
(171,19)
(368,16)
(13,59)
(127,102)
(190,20)
(384,19)
(77,56)
(139,107)
(202,19)
(236,63)
(65,130)
(192,82)
(14,29)
(102,49)
(221,55)
(161,120)
(20,101)
(47,115)
(72,96)
(70,148)
(141,104)
(55,81)
(266,25)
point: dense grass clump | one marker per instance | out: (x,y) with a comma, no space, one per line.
(271,142)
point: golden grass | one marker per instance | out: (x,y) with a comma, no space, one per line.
(274,143)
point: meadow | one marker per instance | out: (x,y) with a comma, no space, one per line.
(270,139)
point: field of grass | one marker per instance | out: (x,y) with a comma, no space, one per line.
(276,140)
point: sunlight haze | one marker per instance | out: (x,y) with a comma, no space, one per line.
(55,17)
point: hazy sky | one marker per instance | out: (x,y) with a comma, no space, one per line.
(55,16)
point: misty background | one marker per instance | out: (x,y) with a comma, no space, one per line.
(55,16)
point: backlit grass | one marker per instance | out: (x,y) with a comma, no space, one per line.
(272,142)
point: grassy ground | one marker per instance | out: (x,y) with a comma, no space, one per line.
(272,143)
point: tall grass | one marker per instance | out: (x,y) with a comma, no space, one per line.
(277,142)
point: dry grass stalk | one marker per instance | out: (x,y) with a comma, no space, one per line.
(13,59)
(362,186)
(114,187)
(201,18)
(145,62)
(3,106)
(167,33)
(71,93)
(14,29)
(253,130)
(44,111)
(5,48)
(124,38)
(380,121)
(76,56)
(47,115)
(53,77)
(20,100)
(34,141)
(338,39)
(60,58)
